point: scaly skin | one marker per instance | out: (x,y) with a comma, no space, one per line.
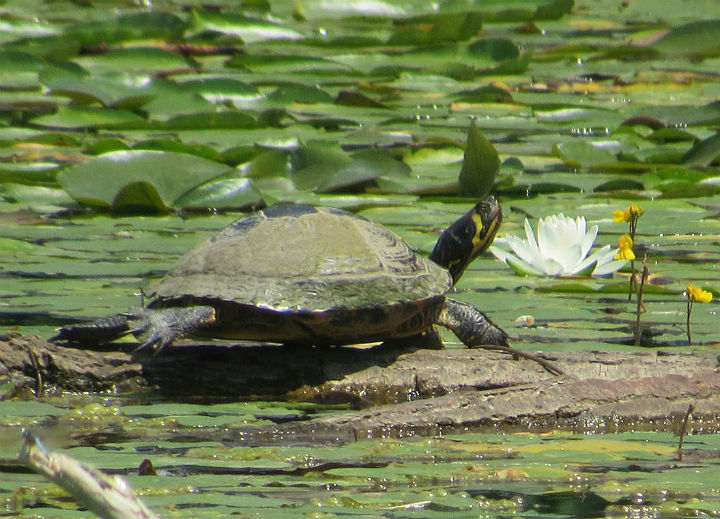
(155,328)
(476,330)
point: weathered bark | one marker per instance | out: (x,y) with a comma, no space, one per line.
(470,388)
(41,366)
(656,402)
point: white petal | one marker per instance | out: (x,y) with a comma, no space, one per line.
(499,253)
(605,254)
(587,270)
(552,267)
(609,267)
(526,251)
(523,268)
(573,259)
(561,242)
(580,225)
(606,262)
(588,239)
(531,237)
(519,266)
(549,242)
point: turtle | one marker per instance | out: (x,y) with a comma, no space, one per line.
(300,274)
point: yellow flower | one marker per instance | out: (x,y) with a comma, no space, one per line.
(625,246)
(698,294)
(627,215)
(620,216)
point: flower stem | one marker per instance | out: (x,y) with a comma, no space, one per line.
(683,430)
(633,227)
(687,323)
(640,305)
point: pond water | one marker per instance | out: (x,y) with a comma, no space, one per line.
(209,466)
(130,133)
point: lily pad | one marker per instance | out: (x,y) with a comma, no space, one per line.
(137,177)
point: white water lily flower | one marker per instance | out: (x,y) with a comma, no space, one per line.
(561,249)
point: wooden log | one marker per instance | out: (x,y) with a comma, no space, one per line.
(414,390)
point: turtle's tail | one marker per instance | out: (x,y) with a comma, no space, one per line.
(95,332)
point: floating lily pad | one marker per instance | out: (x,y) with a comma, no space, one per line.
(137,178)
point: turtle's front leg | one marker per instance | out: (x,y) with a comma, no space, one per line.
(476,330)
(470,325)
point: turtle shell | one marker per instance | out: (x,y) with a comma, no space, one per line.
(301,259)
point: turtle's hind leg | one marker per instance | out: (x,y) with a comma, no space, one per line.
(154,328)
(476,330)
(99,331)
(158,328)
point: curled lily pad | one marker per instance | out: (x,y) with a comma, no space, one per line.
(480,165)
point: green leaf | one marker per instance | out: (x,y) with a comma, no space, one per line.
(699,38)
(349,98)
(437,28)
(134,26)
(219,90)
(137,197)
(218,120)
(113,89)
(137,59)
(250,29)
(106,146)
(493,49)
(554,10)
(485,94)
(365,166)
(480,164)
(91,117)
(703,153)
(99,181)
(268,163)
(299,93)
(174,145)
(580,154)
(225,193)
(29,173)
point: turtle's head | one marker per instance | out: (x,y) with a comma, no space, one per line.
(468,237)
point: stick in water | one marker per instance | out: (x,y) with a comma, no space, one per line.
(109,497)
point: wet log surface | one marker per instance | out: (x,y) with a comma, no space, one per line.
(395,391)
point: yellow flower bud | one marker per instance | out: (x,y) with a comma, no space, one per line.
(636,210)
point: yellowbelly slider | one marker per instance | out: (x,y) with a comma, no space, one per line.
(295,273)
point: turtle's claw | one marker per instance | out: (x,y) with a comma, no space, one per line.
(157,329)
